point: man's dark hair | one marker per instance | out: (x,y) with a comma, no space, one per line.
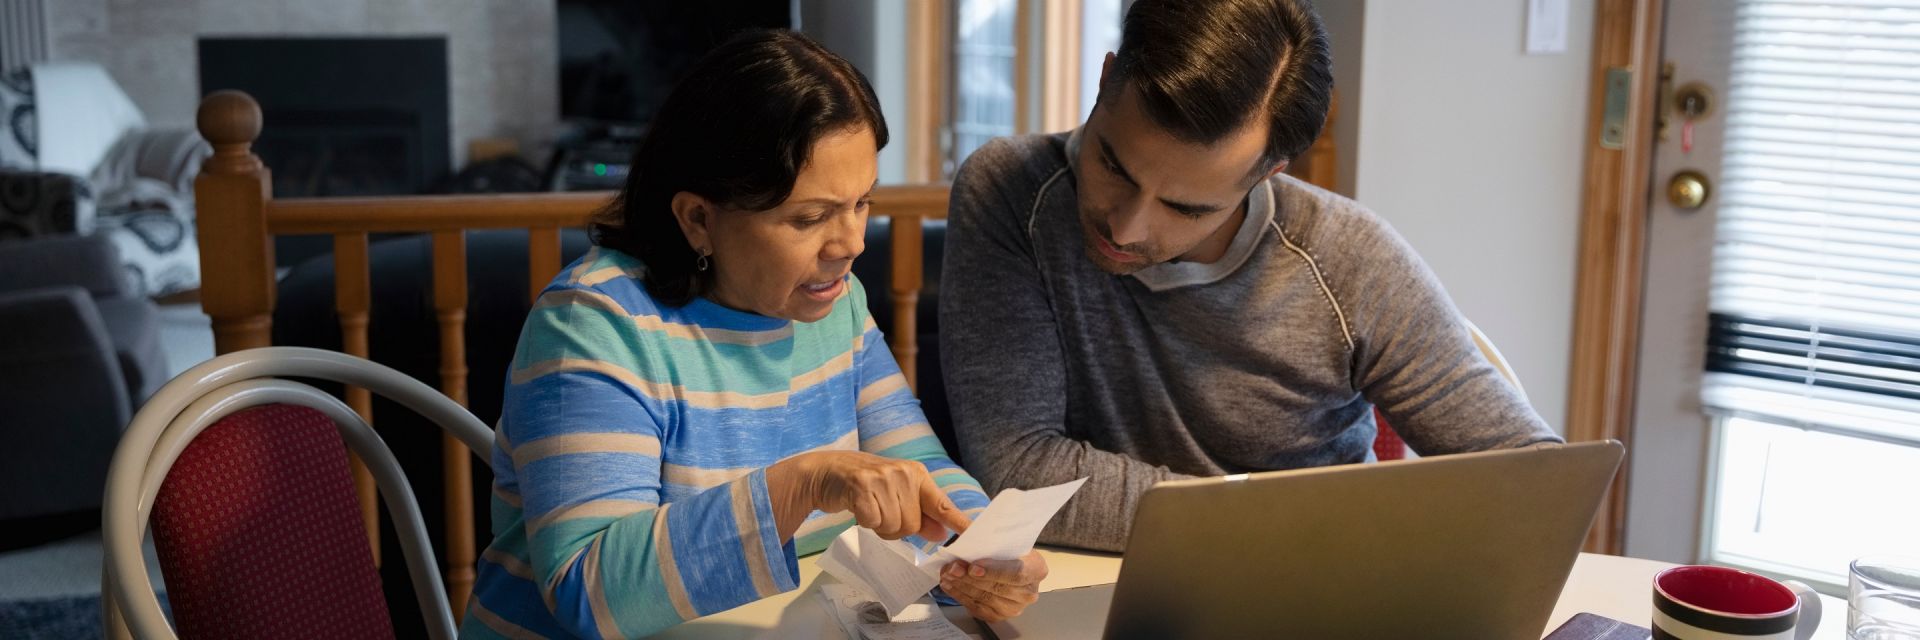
(736,131)
(1203,67)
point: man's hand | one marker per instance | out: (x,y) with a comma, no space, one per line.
(995,590)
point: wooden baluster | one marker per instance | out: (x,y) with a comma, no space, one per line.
(352,298)
(450,306)
(543,259)
(905,234)
(230,195)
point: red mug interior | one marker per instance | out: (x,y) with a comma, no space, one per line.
(1726,591)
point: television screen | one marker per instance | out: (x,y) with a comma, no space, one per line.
(620,58)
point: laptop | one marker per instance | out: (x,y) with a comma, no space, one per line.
(1473,545)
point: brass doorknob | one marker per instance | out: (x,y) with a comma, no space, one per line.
(1688,190)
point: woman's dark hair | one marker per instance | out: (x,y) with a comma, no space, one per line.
(735,131)
(1203,67)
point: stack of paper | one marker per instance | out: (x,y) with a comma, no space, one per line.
(896,574)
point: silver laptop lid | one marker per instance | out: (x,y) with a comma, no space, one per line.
(1464,546)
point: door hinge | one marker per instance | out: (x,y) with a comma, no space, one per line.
(1613,119)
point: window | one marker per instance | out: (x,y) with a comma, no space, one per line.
(1099,34)
(985,74)
(1021,66)
(1805,502)
(1814,340)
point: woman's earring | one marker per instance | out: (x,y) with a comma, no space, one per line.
(702,264)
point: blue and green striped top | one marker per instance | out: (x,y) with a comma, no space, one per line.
(630,487)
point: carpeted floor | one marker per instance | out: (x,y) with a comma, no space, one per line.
(52,591)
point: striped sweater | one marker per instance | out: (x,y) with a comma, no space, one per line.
(630,488)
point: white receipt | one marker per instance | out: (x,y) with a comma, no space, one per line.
(1010,525)
(896,574)
(888,570)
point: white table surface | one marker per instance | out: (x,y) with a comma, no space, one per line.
(1611,586)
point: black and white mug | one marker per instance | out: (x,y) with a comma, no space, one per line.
(1696,602)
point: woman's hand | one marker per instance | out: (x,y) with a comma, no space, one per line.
(995,590)
(895,498)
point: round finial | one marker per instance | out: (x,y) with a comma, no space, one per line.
(230,120)
(229,117)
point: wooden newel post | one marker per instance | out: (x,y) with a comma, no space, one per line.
(236,254)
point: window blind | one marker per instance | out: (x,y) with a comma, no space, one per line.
(1816,265)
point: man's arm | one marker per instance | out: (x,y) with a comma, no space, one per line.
(1415,357)
(1006,375)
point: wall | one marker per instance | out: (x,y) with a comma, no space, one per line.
(503,77)
(888,73)
(1345,21)
(871,34)
(1473,151)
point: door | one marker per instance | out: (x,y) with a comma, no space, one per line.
(1777,417)
(1666,488)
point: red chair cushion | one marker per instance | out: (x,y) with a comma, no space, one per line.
(258,532)
(1387,444)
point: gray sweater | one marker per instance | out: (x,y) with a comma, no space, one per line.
(1271,358)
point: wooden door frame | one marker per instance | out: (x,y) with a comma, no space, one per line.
(1612,251)
(927,62)
(1046,89)
(1061,58)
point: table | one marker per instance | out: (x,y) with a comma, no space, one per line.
(1611,586)
(1622,589)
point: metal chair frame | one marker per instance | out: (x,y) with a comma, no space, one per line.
(226,385)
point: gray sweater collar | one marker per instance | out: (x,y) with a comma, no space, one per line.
(1172,275)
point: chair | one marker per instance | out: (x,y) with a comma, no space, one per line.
(78,353)
(1387,444)
(256,523)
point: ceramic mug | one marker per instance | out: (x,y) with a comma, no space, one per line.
(1697,602)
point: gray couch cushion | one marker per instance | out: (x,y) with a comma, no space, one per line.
(66,402)
(87,262)
(133,324)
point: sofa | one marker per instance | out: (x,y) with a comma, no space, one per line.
(77,157)
(79,351)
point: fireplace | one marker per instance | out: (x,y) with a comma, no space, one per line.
(344,116)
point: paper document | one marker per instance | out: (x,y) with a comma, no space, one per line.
(1009,526)
(887,570)
(896,574)
(862,618)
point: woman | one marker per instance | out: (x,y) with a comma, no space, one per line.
(703,397)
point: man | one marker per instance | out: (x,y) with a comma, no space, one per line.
(1150,298)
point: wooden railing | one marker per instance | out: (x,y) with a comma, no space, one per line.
(238,218)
